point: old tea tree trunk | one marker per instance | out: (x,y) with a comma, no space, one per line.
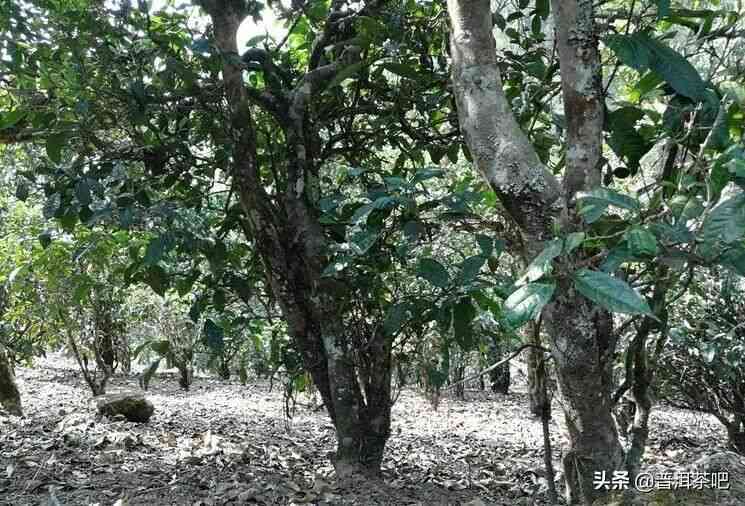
(579,332)
(10,398)
(283,225)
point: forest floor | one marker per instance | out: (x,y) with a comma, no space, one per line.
(224,443)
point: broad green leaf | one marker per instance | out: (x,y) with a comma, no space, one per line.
(486,244)
(434,272)
(593,203)
(363,240)
(541,264)
(640,52)
(54,145)
(344,74)
(11,118)
(726,223)
(616,257)
(45,239)
(612,293)
(573,241)
(526,302)
(154,251)
(641,242)
(663,8)
(403,70)
(157,279)
(542,8)
(470,268)
(361,214)
(625,140)
(396,317)
(335,267)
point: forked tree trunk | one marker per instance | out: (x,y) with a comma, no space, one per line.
(580,333)
(355,386)
(10,397)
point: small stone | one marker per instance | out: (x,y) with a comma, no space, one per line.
(132,405)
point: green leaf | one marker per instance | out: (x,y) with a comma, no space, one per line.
(625,140)
(361,214)
(463,314)
(162,347)
(344,74)
(616,257)
(157,279)
(641,52)
(641,242)
(541,264)
(335,267)
(612,293)
(726,223)
(663,8)
(11,118)
(54,145)
(363,240)
(470,268)
(154,251)
(403,70)
(45,239)
(22,190)
(396,317)
(526,302)
(486,244)
(434,272)
(542,8)
(573,241)
(593,203)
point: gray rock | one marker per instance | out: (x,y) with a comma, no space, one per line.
(131,405)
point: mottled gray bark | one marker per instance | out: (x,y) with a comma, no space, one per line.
(580,333)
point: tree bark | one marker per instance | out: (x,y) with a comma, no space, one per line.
(537,387)
(500,376)
(580,333)
(10,397)
(582,346)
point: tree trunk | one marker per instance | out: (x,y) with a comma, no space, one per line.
(583,343)
(537,387)
(10,397)
(580,333)
(500,376)
(351,372)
